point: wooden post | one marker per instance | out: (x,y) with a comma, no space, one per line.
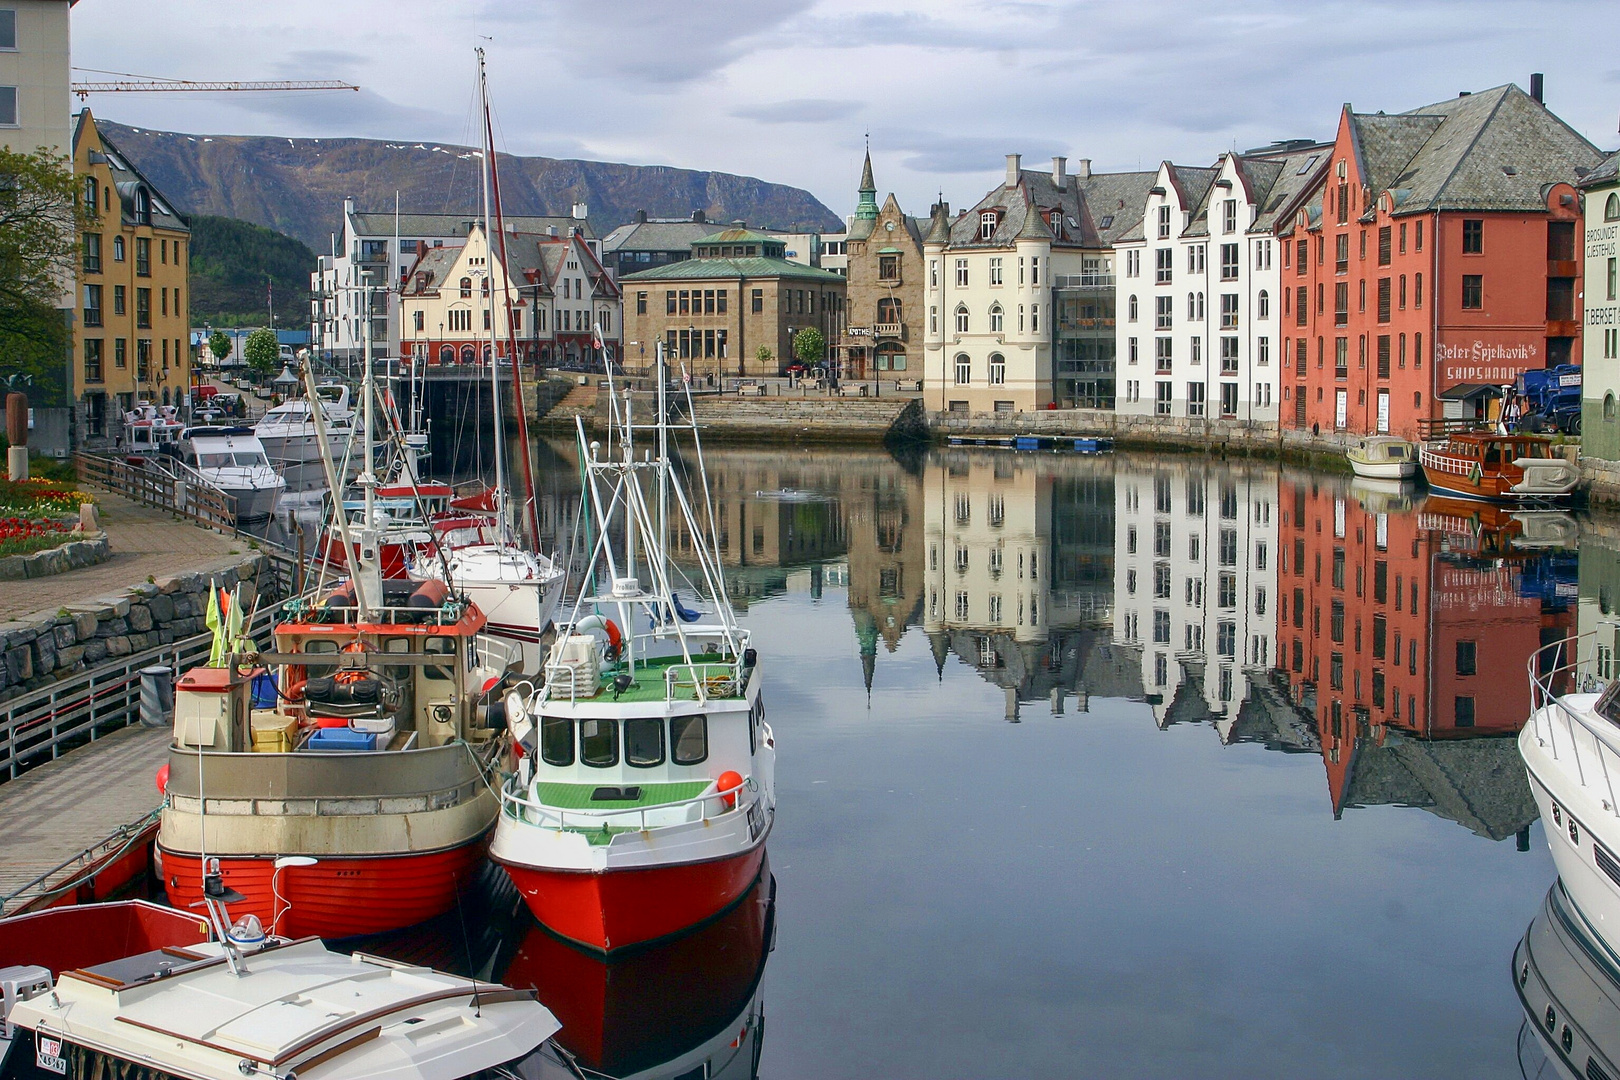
(17,435)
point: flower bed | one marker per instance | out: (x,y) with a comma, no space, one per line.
(22,536)
(40,497)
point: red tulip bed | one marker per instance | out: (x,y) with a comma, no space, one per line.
(24,536)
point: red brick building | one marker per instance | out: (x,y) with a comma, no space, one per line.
(1434,259)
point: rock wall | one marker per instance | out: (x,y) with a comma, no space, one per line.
(40,649)
(73,555)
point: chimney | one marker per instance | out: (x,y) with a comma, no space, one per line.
(641,217)
(348,205)
(697,216)
(1084,171)
(1014,162)
(551,230)
(1060,168)
(580,213)
(1536,87)
(1465,93)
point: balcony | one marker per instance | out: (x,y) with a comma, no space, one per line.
(1083,281)
(889,330)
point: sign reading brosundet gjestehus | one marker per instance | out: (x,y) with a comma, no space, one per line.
(1493,359)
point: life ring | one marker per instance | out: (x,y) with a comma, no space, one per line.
(354,675)
(607,626)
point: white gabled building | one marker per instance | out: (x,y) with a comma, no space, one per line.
(1199,330)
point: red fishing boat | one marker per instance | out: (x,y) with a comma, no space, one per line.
(1497,468)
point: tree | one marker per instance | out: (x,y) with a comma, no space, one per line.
(219,343)
(262,351)
(40,224)
(810,347)
(765,357)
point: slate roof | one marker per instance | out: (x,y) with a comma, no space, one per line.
(689,269)
(126,177)
(1192,182)
(436,263)
(382,224)
(1493,150)
(657,236)
(1085,202)
(1607,172)
(1478,783)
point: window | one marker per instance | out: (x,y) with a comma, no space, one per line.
(1383,300)
(1473,291)
(1383,355)
(987,224)
(92,360)
(120,353)
(961,273)
(1262,351)
(599,743)
(644,742)
(1229,311)
(1162,269)
(1133,263)
(1611,208)
(1467,653)
(998,369)
(1164,223)
(995,318)
(961,319)
(1229,261)
(1417,290)
(1229,355)
(1301,305)
(1229,216)
(964,369)
(118,249)
(1229,396)
(1161,354)
(143,256)
(757,301)
(143,308)
(1130,309)
(995,270)
(1161,399)
(1195,399)
(92,305)
(557,740)
(1383,245)
(1195,259)
(1464,711)
(1162,314)
(1473,237)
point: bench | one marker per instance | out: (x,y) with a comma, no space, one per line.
(914,385)
(852,390)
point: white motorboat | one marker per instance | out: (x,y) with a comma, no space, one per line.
(1383,457)
(232,460)
(1569,986)
(1571,749)
(245,1004)
(150,428)
(518,591)
(288,434)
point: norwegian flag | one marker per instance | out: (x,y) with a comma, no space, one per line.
(596,337)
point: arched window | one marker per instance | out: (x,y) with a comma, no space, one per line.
(1611,208)
(987,224)
(888,310)
(467,354)
(1608,405)
(1130,309)
(1200,305)
(488,355)
(447,354)
(891,358)
(1192,311)
(90,193)
(961,318)
(1265,304)
(998,369)
(995,318)
(466,287)
(483,286)
(964,369)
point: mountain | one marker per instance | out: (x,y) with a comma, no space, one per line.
(231,264)
(297,186)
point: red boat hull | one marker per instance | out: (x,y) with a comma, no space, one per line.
(337,897)
(617,909)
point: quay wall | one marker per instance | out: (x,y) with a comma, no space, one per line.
(40,649)
(726,418)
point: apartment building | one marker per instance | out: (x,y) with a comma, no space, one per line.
(377,250)
(131,336)
(1195,586)
(1452,231)
(1600,341)
(553,287)
(35,104)
(1198,326)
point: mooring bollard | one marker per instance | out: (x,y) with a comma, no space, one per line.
(157,696)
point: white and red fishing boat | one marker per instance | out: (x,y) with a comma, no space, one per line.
(646,790)
(1497,468)
(344,779)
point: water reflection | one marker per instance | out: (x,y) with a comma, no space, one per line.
(1569,986)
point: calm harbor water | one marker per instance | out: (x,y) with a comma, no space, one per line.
(1105,767)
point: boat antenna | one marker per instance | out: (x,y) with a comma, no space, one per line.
(491,257)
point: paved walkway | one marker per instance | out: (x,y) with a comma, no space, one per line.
(145,542)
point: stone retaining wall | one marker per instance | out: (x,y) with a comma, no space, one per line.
(36,650)
(786,419)
(1601,478)
(73,555)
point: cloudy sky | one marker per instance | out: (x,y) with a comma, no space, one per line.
(786,90)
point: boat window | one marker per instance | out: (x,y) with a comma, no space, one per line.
(1608,703)
(599,743)
(644,742)
(688,739)
(398,645)
(226,459)
(556,740)
(438,646)
(1493,455)
(322,646)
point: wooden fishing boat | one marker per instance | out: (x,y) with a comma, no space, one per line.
(1497,468)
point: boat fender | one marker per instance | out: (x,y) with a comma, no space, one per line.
(342,597)
(163,780)
(431,593)
(728,784)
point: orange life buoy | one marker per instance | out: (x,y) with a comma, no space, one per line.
(354,675)
(728,784)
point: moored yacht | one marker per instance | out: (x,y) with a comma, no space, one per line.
(1569,985)
(232,460)
(1571,749)
(1497,468)
(289,435)
(150,428)
(1383,457)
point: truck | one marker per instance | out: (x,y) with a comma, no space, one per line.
(1547,399)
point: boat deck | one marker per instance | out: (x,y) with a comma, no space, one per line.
(578,796)
(75,804)
(650,676)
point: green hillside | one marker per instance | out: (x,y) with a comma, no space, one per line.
(232,264)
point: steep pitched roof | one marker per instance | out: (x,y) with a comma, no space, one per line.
(656,236)
(1113,204)
(435,263)
(1607,171)
(1296,177)
(126,177)
(382,224)
(1111,192)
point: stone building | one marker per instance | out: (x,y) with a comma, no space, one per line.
(738,294)
(884,264)
(130,340)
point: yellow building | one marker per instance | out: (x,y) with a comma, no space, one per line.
(132,326)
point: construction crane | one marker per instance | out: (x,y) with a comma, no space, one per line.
(146,83)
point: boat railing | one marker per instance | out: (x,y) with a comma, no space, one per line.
(1588,743)
(496,654)
(1445,463)
(711,804)
(721,678)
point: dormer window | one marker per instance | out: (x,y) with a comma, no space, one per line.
(1056,223)
(143,206)
(987,224)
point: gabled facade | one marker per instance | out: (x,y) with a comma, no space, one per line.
(553,286)
(884,265)
(1433,262)
(132,330)
(1600,382)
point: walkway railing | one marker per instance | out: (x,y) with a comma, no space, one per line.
(1588,742)
(153,485)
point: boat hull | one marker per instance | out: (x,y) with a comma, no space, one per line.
(1573,834)
(338,897)
(607,910)
(1384,470)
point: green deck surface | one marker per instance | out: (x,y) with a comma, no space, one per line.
(578,796)
(649,684)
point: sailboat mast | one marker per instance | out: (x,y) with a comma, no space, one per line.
(663,465)
(489,309)
(530,514)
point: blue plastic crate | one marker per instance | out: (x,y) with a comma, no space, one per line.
(342,738)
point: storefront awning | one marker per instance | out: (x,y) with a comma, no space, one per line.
(1469,391)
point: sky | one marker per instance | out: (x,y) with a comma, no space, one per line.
(790,90)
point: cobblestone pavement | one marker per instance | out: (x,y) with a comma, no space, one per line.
(145,542)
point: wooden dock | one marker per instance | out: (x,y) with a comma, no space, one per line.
(66,815)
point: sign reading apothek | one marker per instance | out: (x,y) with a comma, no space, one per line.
(1497,359)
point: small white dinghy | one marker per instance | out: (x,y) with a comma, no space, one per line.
(1383,457)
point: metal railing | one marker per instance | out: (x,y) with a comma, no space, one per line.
(1589,742)
(545,816)
(153,485)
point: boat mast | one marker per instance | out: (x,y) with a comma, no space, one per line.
(367,571)
(530,514)
(489,313)
(663,467)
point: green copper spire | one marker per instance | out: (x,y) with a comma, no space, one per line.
(867,209)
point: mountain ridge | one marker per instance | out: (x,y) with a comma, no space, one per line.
(297,186)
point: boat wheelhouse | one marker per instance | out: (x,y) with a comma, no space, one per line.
(1497,468)
(150,428)
(288,433)
(1571,751)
